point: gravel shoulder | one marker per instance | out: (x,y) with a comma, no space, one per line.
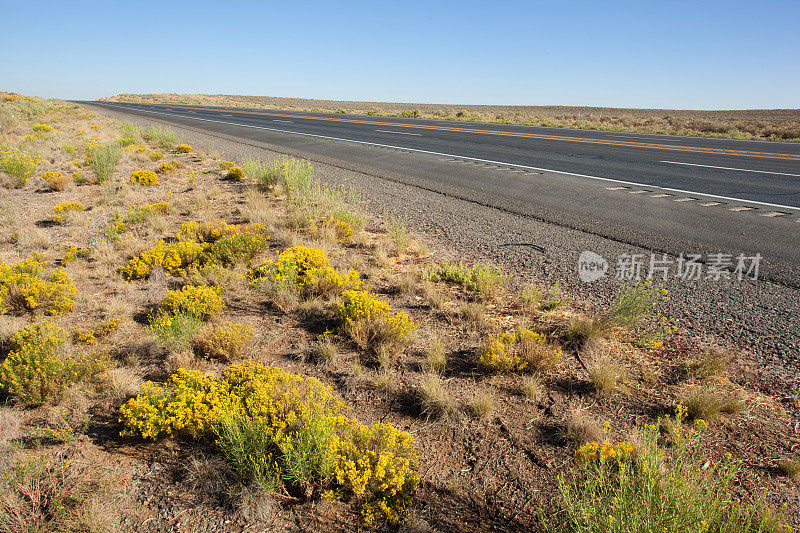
(760,318)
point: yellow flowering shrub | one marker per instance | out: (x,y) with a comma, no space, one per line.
(225,165)
(60,210)
(79,178)
(370,322)
(376,463)
(520,350)
(198,244)
(239,248)
(74,253)
(172,257)
(168,166)
(95,126)
(144,177)
(37,370)
(55,180)
(155,156)
(235,173)
(187,407)
(199,301)
(80,133)
(183,149)
(19,164)
(273,425)
(306,270)
(595,452)
(344,231)
(226,342)
(26,287)
(43,128)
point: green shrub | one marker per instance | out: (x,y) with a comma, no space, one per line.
(652,488)
(104,159)
(174,331)
(533,298)
(483,280)
(164,138)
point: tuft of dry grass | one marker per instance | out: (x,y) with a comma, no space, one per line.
(473,313)
(581,427)
(532,387)
(790,468)
(709,403)
(711,365)
(29,237)
(435,398)
(118,384)
(607,375)
(435,357)
(482,405)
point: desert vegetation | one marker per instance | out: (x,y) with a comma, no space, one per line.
(766,124)
(188,342)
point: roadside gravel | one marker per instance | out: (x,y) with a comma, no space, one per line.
(760,318)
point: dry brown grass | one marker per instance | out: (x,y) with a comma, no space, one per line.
(708,403)
(482,405)
(435,398)
(581,427)
(607,375)
(435,357)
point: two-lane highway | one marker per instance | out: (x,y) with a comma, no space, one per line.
(667,193)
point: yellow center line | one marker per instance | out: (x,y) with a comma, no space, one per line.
(437,127)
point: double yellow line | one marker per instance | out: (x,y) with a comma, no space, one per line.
(437,127)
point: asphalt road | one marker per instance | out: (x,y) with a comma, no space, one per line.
(669,194)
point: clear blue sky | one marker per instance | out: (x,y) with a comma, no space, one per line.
(646,53)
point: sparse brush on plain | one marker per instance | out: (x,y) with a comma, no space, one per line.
(483,281)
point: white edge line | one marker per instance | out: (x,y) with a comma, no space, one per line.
(400,132)
(611,180)
(731,168)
